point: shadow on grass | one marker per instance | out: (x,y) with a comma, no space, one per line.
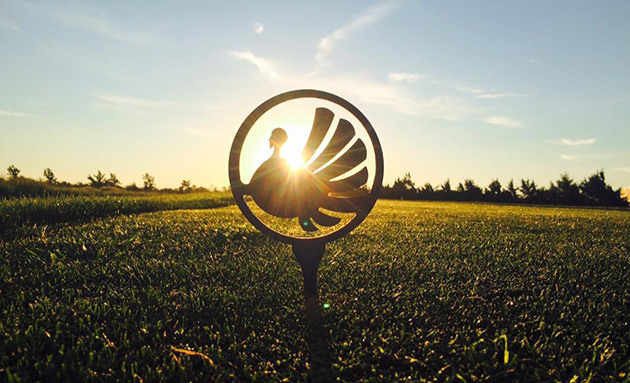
(318,342)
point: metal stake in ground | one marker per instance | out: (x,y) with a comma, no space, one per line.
(333,183)
(309,257)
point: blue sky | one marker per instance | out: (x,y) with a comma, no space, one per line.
(455,89)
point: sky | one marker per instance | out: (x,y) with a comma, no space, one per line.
(454,89)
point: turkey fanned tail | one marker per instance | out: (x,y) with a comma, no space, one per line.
(332,169)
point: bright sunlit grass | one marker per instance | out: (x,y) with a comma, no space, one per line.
(542,258)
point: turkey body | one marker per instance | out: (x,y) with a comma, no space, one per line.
(300,193)
(285,192)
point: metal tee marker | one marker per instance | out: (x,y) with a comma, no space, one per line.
(328,181)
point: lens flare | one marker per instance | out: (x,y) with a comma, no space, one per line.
(292,152)
(295,162)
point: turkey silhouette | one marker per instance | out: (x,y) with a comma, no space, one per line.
(323,183)
(333,180)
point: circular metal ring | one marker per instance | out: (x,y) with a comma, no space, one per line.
(239,189)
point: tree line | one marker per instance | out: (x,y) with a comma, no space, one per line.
(592,191)
(17,185)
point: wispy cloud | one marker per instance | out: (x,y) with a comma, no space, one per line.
(88,19)
(362,87)
(503,121)
(327,43)
(491,95)
(481,94)
(8,113)
(8,24)
(130,101)
(407,77)
(258,28)
(264,66)
(568,142)
(365,89)
(100,26)
(571,157)
(467,89)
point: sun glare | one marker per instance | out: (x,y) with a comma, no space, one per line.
(257,150)
(295,163)
(293,154)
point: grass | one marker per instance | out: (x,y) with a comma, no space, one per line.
(420,292)
(17,213)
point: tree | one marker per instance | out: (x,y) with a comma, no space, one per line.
(566,191)
(50,176)
(149,181)
(494,190)
(529,190)
(13,171)
(512,191)
(446,186)
(97,180)
(427,188)
(426,192)
(472,191)
(404,188)
(405,183)
(113,180)
(185,186)
(592,190)
(597,192)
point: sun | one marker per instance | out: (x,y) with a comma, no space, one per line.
(257,150)
(295,163)
(292,149)
(293,154)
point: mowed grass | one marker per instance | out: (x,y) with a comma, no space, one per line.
(15,213)
(419,292)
